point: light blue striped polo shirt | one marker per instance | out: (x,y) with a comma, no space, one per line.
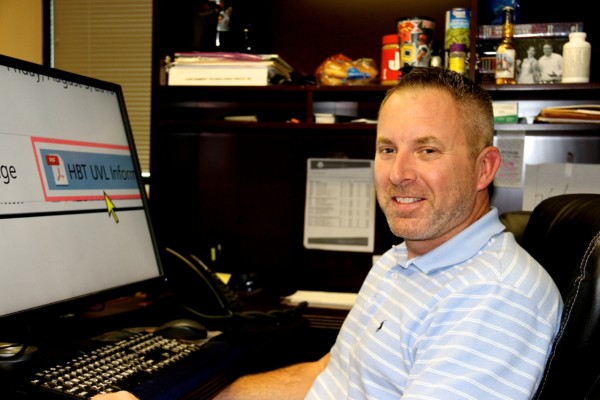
(472,319)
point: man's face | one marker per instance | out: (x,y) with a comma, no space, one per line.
(426,182)
(547,49)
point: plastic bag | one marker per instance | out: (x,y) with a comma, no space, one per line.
(339,70)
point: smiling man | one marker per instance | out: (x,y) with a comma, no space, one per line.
(434,160)
(458,310)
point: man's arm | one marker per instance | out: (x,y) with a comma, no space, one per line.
(288,383)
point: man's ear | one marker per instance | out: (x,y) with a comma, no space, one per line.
(488,163)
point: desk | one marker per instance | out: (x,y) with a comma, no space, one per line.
(239,351)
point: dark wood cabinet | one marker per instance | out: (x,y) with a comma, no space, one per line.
(240,186)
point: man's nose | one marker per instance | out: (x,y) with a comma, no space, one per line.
(402,170)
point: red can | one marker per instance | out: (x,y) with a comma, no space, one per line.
(390,60)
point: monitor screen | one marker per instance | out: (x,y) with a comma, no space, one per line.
(74,219)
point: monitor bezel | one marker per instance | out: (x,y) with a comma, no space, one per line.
(18,322)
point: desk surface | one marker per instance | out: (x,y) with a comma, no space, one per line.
(242,349)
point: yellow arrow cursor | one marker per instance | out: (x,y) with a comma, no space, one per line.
(110,206)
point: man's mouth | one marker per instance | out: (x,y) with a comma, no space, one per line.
(406,200)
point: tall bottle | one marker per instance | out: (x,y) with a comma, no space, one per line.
(576,59)
(506,53)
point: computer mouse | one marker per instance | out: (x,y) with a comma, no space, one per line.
(13,355)
(15,351)
(185,329)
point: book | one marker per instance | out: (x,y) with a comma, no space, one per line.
(230,69)
(324,118)
(219,56)
(546,29)
(589,113)
(218,75)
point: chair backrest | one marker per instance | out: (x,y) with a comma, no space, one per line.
(563,235)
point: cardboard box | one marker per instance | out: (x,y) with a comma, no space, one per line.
(506,112)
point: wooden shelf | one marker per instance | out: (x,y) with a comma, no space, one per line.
(234,125)
(549,129)
(560,91)
(276,106)
(559,87)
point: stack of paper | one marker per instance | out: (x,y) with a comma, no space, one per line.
(333,300)
(589,114)
(227,69)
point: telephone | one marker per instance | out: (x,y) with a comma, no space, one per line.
(203,294)
(198,287)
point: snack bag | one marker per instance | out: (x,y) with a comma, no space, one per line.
(339,70)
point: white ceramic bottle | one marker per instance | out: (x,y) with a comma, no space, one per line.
(576,59)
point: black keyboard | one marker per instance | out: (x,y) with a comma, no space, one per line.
(113,367)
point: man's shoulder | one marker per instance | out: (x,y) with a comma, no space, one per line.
(510,264)
(504,248)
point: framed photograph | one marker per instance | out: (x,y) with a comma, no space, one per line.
(539,60)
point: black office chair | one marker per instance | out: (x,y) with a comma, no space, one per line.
(563,234)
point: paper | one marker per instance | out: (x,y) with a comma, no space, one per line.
(337,300)
(587,113)
(339,210)
(511,145)
(547,180)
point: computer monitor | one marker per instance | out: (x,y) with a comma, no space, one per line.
(74,221)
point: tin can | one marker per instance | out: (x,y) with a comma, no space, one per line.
(458,24)
(415,36)
(390,60)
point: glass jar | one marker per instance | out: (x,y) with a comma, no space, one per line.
(390,60)
(457,58)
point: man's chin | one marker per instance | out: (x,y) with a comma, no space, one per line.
(408,234)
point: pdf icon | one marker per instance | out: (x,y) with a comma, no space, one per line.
(58,169)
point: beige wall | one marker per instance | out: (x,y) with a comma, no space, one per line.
(21,33)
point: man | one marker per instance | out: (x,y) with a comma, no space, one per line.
(458,310)
(550,65)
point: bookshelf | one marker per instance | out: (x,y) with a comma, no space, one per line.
(243,182)
(305,33)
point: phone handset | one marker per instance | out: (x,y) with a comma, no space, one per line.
(198,287)
(231,299)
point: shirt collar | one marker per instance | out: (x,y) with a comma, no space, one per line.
(460,248)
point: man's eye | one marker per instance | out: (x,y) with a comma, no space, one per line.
(428,151)
(386,150)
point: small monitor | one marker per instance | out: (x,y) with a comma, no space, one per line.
(74,221)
